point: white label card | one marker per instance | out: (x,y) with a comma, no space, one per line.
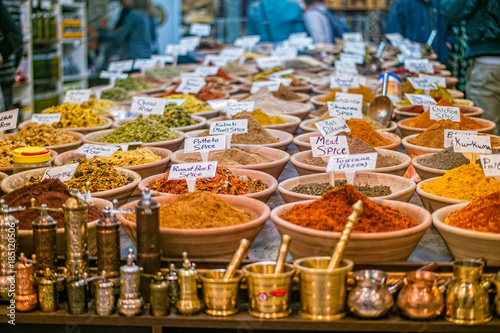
(192,171)
(352,36)
(355,48)
(329,146)
(207,70)
(232,108)
(237,126)
(422,83)
(448,135)
(279,74)
(8,120)
(148,105)
(46,118)
(445,112)
(355,58)
(216,60)
(491,165)
(192,76)
(420,99)
(472,144)
(121,66)
(64,173)
(90,150)
(345,110)
(178,102)
(355,162)
(145,63)
(112,75)
(200,29)
(395,38)
(205,143)
(190,86)
(190,43)
(299,42)
(343,82)
(343,68)
(272,85)
(332,126)
(220,104)
(348,98)
(247,41)
(232,52)
(297,35)
(285,53)
(176,49)
(269,62)
(77,96)
(437,80)
(163,59)
(420,67)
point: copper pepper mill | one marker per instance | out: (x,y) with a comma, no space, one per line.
(8,249)
(148,239)
(44,239)
(25,297)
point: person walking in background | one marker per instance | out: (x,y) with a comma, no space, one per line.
(11,49)
(137,34)
(482,25)
(415,20)
(274,20)
(320,23)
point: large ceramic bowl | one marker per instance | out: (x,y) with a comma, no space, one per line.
(144,170)
(426,172)
(200,123)
(9,170)
(304,89)
(64,147)
(308,126)
(83,130)
(401,188)
(278,158)
(304,169)
(489,127)
(362,247)
(284,139)
(417,150)
(470,111)
(172,145)
(464,243)
(303,109)
(290,127)
(302,97)
(270,181)
(26,236)
(433,202)
(209,242)
(18,180)
(316,100)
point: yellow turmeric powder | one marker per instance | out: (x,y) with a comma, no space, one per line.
(466,182)
(264,119)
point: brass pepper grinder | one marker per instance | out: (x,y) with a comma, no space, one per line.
(75,232)
(8,248)
(173,285)
(48,295)
(160,302)
(25,297)
(44,239)
(108,243)
(76,286)
(104,295)
(130,302)
(148,239)
(188,303)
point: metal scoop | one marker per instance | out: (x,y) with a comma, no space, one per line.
(380,108)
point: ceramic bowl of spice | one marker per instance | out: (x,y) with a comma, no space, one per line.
(269,160)
(117,183)
(411,111)
(389,233)
(388,161)
(426,172)
(227,182)
(83,130)
(200,123)
(470,230)
(417,150)
(371,184)
(308,126)
(283,123)
(486,126)
(172,144)
(202,211)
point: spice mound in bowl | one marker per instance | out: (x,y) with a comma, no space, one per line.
(331,211)
(42,135)
(368,95)
(233,156)
(192,103)
(116,94)
(224,182)
(74,116)
(321,188)
(198,210)
(127,158)
(352,123)
(266,102)
(132,84)
(447,159)
(265,120)
(424,120)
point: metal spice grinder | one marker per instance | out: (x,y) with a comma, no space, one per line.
(25,297)
(104,295)
(48,295)
(173,285)
(8,248)
(77,287)
(130,302)
(188,303)
(148,238)
(44,239)
(159,298)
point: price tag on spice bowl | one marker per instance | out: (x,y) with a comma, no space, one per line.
(491,165)
(233,108)
(8,120)
(345,110)
(445,112)
(474,144)
(343,82)
(352,163)
(349,98)
(190,86)
(77,96)
(192,171)
(437,80)
(46,118)
(422,83)
(204,145)
(121,66)
(64,173)
(200,29)
(332,126)
(322,146)
(424,100)
(448,135)
(148,105)
(90,150)
(237,126)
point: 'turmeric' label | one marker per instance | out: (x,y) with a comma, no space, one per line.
(471,144)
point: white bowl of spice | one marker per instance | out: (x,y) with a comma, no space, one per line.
(194,219)
(269,160)
(371,184)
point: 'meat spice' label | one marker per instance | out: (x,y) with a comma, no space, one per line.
(345,110)
(445,112)
(77,96)
(148,105)
(205,143)
(355,162)
(237,126)
(46,118)
(90,150)
(491,165)
(64,173)
(329,146)
(472,144)
(8,120)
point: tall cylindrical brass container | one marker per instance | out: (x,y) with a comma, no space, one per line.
(160,300)
(44,242)
(48,295)
(75,232)
(108,246)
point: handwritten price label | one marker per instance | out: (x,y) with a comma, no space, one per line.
(448,135)
(200,29)
(190,86)
(237,126)
(420,99)
(344,82)
(207,70)
(233,108)
(268,62)
(422,83)
(355,48)
(355,162)
(205,144)
(471,144)
(348,98)
(46,118)
(8,120)
(148,105)
(121,66)
(77,96)
(437,80)
(90,150)
(445,112)
(345,110)
(491,165)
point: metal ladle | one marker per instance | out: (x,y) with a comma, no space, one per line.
(381,107)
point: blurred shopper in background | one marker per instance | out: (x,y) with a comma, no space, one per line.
(274,20)
(482,24)
(320,23)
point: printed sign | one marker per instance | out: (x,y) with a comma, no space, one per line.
(329,146)
(420,99)
(237,126)
(64,173)
(148,105)
(190,86)
(355,162)
(200,29)
(90,150)
(422,83)
(471,144)
(345,110)
(448,135)
(332,126)
(348,98)
(343,82)
(355,58)
(46,118)
(355,48)
(437,80)
(268,62)
(491,165)
(445,112)
(235,107)
(121,66)
(8,120)
(77,96)
(205,143)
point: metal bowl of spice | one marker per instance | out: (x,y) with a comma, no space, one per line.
(389,233)
(371,184)
(202,211)
(470,230)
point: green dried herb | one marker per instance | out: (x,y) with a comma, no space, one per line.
(116,94)
(132,84)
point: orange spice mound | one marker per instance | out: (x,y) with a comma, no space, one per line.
(424,121)
(331,211)
(362,130)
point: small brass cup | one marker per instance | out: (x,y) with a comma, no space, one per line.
(221,298)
